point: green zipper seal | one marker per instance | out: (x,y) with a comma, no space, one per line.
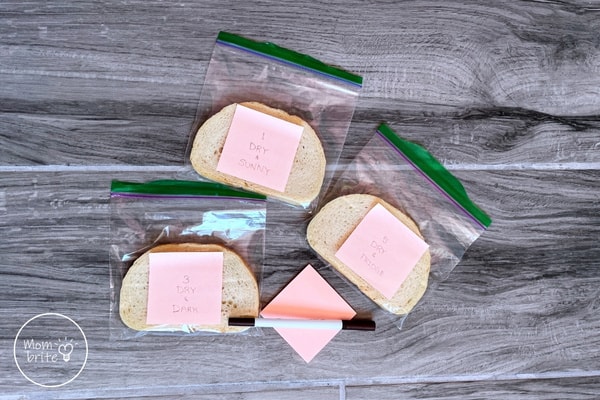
(272,50)
(169,187)
(435,172)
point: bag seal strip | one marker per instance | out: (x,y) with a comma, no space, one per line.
(274,51)
(431,169)
(170,188)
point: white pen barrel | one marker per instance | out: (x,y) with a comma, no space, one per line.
(298,323)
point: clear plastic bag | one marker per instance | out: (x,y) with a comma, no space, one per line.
(242,70)
(145,216)
(410,179)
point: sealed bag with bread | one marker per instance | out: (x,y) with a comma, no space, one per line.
(185,256)
(395,221)
(271,120)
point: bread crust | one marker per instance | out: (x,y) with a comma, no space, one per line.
(308,169)
(240,290)
(332,225)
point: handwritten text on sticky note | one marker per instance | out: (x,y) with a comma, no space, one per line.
(382,250)
(260,148)
(185,288)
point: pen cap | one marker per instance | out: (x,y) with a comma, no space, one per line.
(359,325)
(241,321)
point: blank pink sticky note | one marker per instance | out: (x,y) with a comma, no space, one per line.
(260,148)
(382,250)
(185,288)
(308,296)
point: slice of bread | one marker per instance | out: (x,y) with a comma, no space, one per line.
(240,291)
(332,225)
(308,170)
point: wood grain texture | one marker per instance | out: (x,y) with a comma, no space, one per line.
(135,70)
(507,95)
(324,393)
(512,307)
(576,388)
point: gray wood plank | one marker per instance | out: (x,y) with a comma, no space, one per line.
(523,301)
(473,142)
(294,392)
(490,139)
(576,388)
(75,140)
(516,55)
(484,50)
(130,79)
(324,393)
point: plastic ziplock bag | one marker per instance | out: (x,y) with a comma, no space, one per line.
(410,179)
(172,212)
(242,70)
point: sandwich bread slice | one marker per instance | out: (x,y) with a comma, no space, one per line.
(308,168)
(332,225)
(240,296)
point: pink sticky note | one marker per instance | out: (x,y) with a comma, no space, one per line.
(382,250)
(260,148)
(185,288)
(308,296)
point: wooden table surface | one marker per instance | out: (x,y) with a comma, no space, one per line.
(506,94)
